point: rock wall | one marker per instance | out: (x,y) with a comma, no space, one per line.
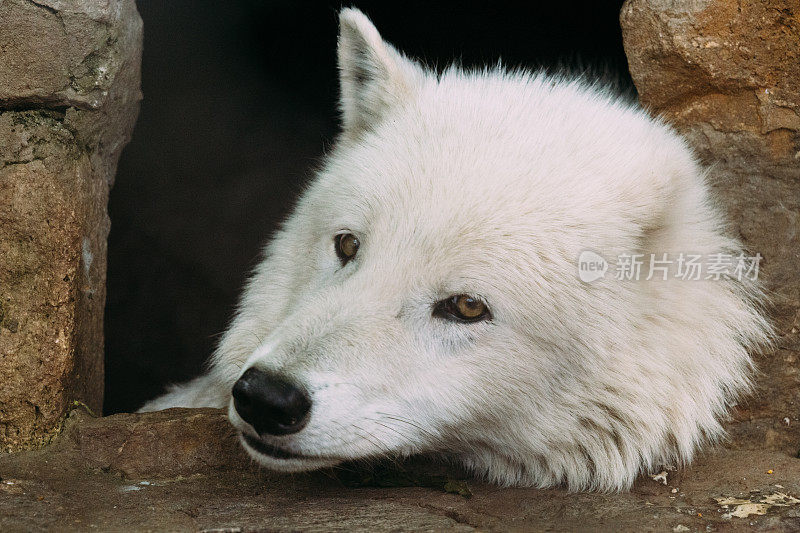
(69,97)
(726,73)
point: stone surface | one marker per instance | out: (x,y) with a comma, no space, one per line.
(69,96)
(182,470)
(725,71)
(726,74)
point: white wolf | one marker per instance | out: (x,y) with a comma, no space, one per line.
(424,295)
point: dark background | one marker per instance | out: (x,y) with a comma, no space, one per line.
(239,104)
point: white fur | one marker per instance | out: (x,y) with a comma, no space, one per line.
(491,183)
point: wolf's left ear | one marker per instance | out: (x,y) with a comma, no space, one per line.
(373,76)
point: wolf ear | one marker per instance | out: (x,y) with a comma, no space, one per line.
(373,76)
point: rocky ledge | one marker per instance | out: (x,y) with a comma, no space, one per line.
(182,470)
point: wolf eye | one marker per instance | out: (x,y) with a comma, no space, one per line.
(346,246)
(462,308)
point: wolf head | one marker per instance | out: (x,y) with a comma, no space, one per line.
(424,296)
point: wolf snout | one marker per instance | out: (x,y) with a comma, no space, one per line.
(270,403)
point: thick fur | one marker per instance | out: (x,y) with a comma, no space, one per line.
(491,184)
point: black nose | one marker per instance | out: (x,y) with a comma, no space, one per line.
(270,403)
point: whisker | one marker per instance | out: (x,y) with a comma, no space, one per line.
(410,423)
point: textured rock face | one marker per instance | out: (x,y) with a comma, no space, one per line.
(69,96)
(726,73)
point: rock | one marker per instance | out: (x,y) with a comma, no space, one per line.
(182,470)
(69,96)
(163,444)
(726,74)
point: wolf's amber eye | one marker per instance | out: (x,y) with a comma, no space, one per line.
(346,246)
(462,308)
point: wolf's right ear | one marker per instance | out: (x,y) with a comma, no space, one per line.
(373,76)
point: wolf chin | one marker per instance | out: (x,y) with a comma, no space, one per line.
(423,298)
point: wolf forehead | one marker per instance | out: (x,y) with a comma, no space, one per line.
(559,156)
(557,146)
(463,128)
